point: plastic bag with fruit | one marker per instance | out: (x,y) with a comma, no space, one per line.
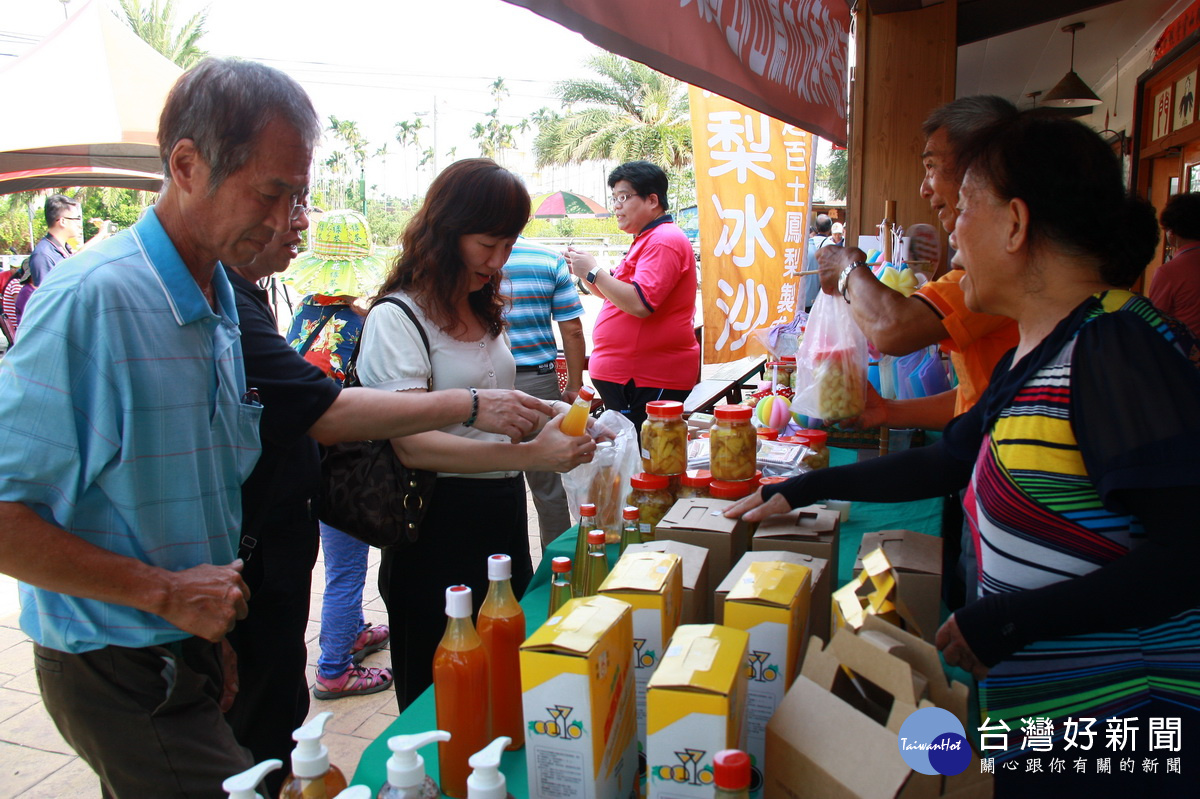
(831,365)
(605,480)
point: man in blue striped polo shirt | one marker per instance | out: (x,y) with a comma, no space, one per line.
(129,430)
(540,289)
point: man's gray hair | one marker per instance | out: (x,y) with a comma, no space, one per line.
(223,105)
(965,118)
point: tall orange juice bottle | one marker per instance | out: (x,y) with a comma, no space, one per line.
(461,692)
(575,423)
(502,628)
(587,523)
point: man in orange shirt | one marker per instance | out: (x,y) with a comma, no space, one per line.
(937,312)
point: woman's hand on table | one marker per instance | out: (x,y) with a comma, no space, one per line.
(754,509)
(555,451)
(956,651)
(511,413)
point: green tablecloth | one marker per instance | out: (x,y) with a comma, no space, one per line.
(923,516)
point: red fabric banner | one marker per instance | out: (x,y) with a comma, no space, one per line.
(785,58)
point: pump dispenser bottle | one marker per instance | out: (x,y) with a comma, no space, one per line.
(486,781)
(312,776)
(461,692)
(501,625)
(406,777)
(355,792)
(241,786)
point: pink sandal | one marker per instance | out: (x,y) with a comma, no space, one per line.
(354,681)
(369,641)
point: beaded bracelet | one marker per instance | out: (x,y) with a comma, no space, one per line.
(474,407)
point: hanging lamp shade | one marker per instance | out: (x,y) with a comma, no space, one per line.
(1071,91)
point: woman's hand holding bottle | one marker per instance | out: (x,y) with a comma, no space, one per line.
(554,451)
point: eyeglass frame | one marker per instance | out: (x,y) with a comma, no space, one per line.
(621,199)
(298,210)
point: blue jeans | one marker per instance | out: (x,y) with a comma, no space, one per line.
(341,610)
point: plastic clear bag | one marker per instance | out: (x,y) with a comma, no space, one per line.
(831,365)
(604,481)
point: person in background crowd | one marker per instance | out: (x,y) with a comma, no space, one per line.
(338,269)
(837,235)
(820,238)
(1079,460)
(644,344)
(448,274)
(301,407)
(539,289)
(1175,288)
(64,221)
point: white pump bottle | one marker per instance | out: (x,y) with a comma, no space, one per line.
(406,777)
(486,780)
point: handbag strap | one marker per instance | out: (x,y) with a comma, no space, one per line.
(312,337)
(352,367)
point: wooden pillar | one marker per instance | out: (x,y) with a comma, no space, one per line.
(905,67)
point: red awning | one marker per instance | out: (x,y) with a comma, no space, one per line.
(786,58)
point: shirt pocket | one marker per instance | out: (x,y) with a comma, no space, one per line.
(247,441)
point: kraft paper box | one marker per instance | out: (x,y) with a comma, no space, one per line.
(697,596)
(835,740)
(578,697)
(652,584)
(916,559)
(694,709)
(811,530)
(702,522)
(770,601)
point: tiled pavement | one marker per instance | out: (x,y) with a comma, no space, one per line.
(35,763)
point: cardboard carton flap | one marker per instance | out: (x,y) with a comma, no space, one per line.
(578,625)
(694,558)
(923,657)
(703,514)
(640,571)
(810,521)
(906,550)
(862,656)
(770,583)
(702,657)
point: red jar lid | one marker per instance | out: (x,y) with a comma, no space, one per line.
(726,489)
(769,433)
(795,439)
(664,409)
(653,482)
(630,512)
(697,478)
(735,413)
(815,438)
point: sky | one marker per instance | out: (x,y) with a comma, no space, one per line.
(379,62)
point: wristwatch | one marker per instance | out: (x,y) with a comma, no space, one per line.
(844,280)
(591,275)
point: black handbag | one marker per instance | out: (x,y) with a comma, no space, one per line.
(366,491)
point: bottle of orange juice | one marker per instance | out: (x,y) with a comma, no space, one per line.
(461,692)
(575,423)
(502,628)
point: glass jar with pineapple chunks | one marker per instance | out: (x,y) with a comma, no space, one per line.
(651,495)
(732,443)
(664,438)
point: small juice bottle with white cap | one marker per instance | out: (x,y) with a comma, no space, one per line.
(501,625)
(406,777)
(460,692)
(312,775)
(487,781)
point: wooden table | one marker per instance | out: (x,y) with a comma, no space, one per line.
(722,381)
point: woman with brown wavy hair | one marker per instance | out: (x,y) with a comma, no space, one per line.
(449,275)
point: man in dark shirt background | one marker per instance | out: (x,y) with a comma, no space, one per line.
(64,221)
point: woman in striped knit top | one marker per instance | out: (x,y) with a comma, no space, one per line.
(1081,467)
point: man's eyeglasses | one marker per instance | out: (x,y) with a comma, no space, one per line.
(73,218)
(299,210)
(622,198)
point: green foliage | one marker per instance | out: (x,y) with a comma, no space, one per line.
(630,112)
(834,175)
(566,228)
(155,25)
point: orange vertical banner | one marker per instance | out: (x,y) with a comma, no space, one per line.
(752,189)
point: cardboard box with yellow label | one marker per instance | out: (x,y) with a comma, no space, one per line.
(652,584)
(770,601)
(695,708)
(701,521)
(578,696)
(697,588)
(811,530)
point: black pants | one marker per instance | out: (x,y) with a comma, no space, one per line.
(631,400)
(272,698)
(468,520)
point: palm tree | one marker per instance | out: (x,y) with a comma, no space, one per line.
(155,24)
(629,112)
